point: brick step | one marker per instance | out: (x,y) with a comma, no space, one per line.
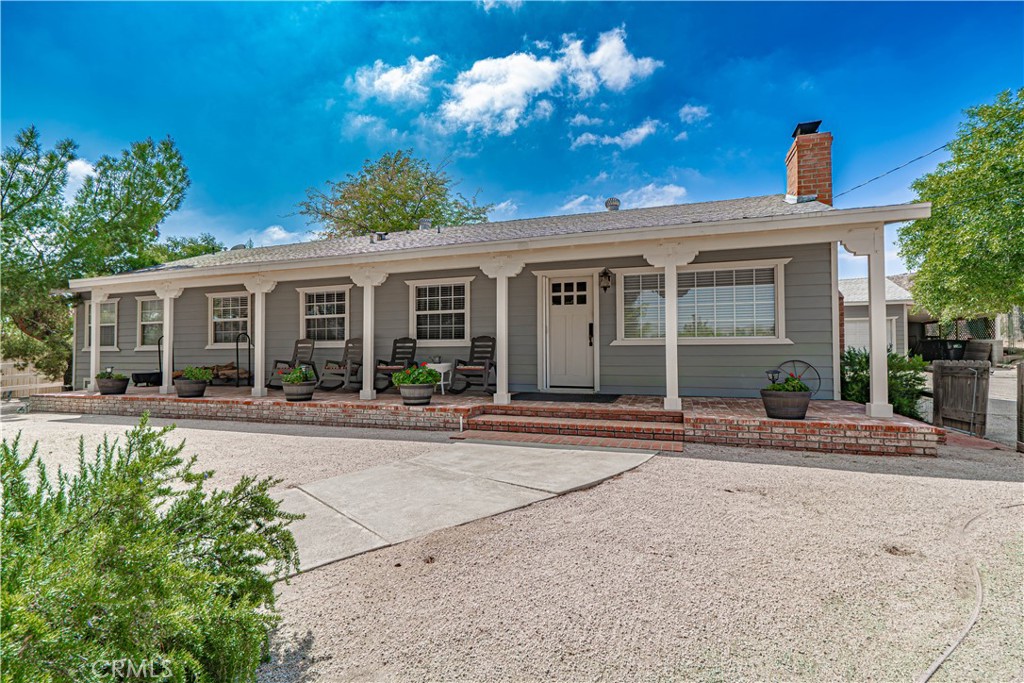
(595,412)
(574,441)
(622,429)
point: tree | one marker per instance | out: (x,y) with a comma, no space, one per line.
(110,225)
(969,255)
(390,195)
(177,248)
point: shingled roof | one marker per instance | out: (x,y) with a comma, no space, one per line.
(503,231)
(855,291)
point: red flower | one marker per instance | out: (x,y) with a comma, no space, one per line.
(423,365)
(408,371)
(792,375)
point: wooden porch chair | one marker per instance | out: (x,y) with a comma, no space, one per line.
(302,354)
(477,369)
(403,355)
(342,373)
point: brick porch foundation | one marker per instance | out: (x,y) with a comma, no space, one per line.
(631,421)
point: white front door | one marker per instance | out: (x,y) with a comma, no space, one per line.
(570,304)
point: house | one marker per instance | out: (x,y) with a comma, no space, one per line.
(900,335)
(577,303)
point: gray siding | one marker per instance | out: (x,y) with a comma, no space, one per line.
(898,311)
(704,370)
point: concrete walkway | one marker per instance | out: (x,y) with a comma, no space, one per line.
(357,512)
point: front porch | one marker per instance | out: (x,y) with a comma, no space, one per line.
(630,421)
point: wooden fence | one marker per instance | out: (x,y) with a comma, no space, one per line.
(16,383)
(960,395)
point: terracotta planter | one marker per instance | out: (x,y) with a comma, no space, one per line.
(786,405)
(416,394)
(303,391)
(112,387)
(188,388)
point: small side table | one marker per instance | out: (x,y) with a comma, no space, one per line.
(446,371)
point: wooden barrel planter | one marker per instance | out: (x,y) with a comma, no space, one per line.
(786,405)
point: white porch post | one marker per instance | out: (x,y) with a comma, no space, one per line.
(669,258)
(168,294)
(871,243)
(97,296)
(259,287)
(369,279)
(501,269)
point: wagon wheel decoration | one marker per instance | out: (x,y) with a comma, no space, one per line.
(804,371)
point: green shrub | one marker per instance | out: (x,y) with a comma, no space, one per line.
(197,374)
(300,374)
(110,374)
(791,383)
(132,561)
(906,380)
(417,374)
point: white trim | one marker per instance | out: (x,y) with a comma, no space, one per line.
(543,310)
(117,325)
(210,296)
(890,322)
(906,329)
(780,304)
(438,343)
(836,351)
(302,291)
(139,346)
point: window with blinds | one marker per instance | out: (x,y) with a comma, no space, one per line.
(108,325)
(151,322)
(440,312)
(323,315)
(643,306)
(229,316)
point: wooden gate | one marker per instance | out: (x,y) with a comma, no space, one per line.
(960,395)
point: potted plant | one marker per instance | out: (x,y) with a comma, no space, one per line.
(111,383)
(193,382)
(299,383)
(416,384)
(785,400)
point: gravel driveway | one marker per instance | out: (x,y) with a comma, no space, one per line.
(723,564)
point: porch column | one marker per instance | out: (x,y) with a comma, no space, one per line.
(501,269)
(259,287)
(669,258)
(369,279)
(871,243)
(97,297)
(168,293)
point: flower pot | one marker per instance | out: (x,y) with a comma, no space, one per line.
(303,391)
(112,387)
(786,405)
(189,388)
(416,394)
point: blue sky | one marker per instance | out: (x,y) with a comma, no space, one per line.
(541,107)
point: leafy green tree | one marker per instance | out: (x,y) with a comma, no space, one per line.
(391,194)
(132,559)
(969,255)
(177,248)
(110,225)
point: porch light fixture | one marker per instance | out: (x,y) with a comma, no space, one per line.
(773,375)
(605,279)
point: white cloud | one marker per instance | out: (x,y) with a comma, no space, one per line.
(624,140)
(542,44)
(494,95)
(275,234)
(543,110)
(503,211)
(651,194)
(682,136)
(406,83)
(692,113)
(488,5)
(78,171)
(584,120)
(369,127)
(611,64)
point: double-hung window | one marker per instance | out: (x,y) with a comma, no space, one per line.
(150,323)
(716,303)
(323,314)
(439,311)
(108,325)
(229,317)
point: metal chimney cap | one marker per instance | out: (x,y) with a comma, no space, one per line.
(424,224)
(809,128)
(612,204)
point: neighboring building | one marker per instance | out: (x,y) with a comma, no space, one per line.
(577,303)
(903,329)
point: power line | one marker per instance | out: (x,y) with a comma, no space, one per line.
(904,165)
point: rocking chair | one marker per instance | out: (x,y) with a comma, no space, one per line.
(342,373)
(476,370)
(403,355)
(302,354)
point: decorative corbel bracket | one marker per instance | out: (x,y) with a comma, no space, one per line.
(501,266)
(167,290)
(369,277)
(259,283)
(666,254)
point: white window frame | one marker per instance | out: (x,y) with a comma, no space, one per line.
(780,305)
(210,296)
(302,291)
(88,325)
(139,346)
(458,280)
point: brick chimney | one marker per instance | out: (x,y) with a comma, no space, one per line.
(809,165)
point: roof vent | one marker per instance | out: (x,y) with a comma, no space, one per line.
(424,224)
(237,247)
(612,204)
(809,128)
